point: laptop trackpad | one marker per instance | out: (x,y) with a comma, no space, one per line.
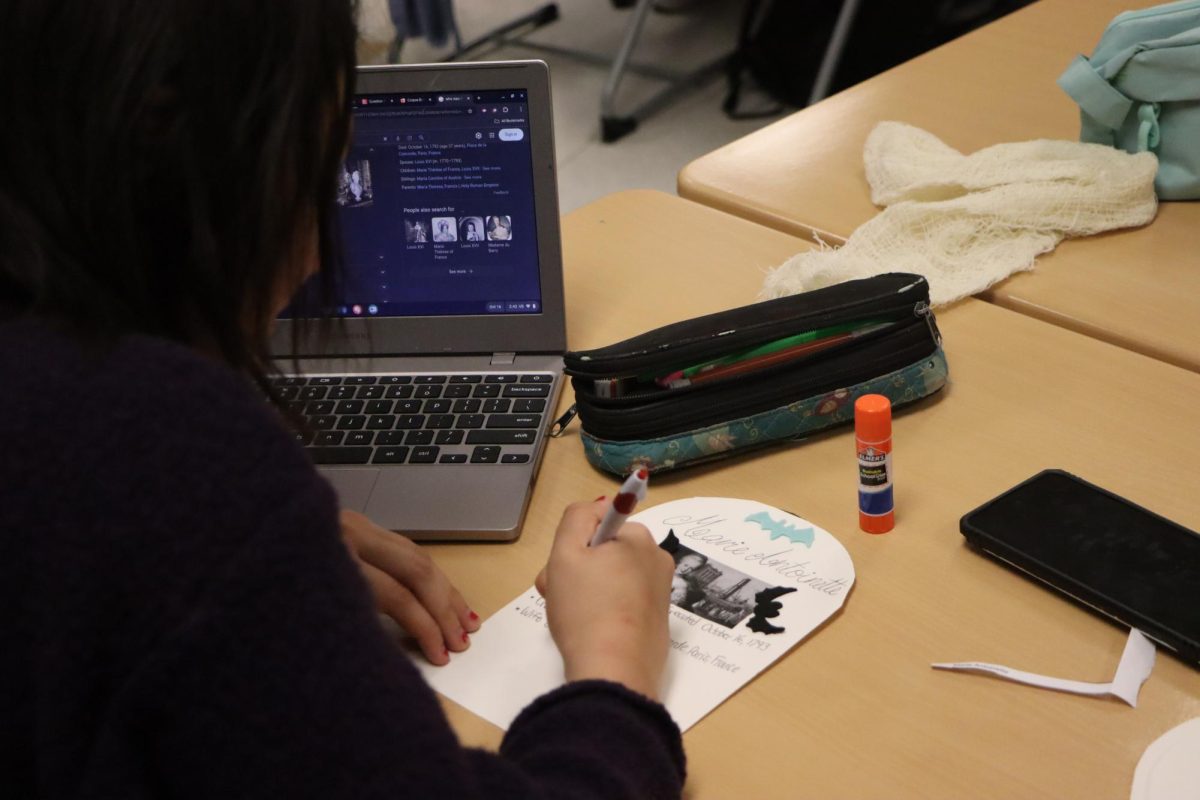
(353,486)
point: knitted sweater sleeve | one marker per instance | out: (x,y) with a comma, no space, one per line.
(280,681)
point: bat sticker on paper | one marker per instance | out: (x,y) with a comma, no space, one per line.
(767,607)
(779,530)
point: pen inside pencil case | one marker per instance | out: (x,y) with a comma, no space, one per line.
(777,352)
(786,350)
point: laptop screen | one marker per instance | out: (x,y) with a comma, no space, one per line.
(436,206)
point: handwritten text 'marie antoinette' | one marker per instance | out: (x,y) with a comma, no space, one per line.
(702,529)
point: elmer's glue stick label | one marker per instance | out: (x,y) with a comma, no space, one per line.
(873,441)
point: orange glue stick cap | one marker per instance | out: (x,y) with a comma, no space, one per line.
(873,418)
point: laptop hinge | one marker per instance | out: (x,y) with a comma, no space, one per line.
(503,359)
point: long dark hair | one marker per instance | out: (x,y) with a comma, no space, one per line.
(163,162)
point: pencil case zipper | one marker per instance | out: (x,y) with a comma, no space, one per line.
(584,387)
(671,413)
(889,297)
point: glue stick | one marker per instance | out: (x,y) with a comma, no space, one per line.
(873,440)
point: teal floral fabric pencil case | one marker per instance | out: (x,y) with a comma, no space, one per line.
(729,382)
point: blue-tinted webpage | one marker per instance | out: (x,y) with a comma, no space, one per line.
(436,206)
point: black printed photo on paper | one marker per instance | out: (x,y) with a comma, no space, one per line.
(708,588)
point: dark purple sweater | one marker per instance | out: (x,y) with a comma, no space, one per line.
(181,619)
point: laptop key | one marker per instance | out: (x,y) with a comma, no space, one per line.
(466,378)
(390,455)
(408,421)
(359,437)
(314,392)
(418,437)
(504,436)
(289,380)
(428,390)
(376,406)
(408,407)
(303,437)
(369,392)
(381,422)
(287,392)
(427,379)
(325,422)
(396,392)
(486,454)
(453,458)
(324,380)
(348,406)
(457,390)
(341,393)
(316,408)
(530,406)
(354,422)
(538,377)
(438,421)
(328,438)
(501,379)
(424,455)
(471,421)
(527,390)
(470,406)
(360,380)
(449,437)
(436,407)
(389,438)
(340,455)
(514,420)
(393,380)
(514,458)
(496,406)
(486,390)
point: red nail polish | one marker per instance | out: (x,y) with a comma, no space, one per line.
(601,497)
(473,616)
(445,652)
(464,637)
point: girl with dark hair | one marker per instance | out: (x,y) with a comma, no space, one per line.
(186,612)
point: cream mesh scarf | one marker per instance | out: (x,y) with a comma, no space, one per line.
(966,222)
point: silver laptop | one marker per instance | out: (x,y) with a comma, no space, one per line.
(428,405)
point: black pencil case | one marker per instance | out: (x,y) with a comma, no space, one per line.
(724,383)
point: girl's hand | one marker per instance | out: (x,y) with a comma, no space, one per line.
(607,605)
(410,588)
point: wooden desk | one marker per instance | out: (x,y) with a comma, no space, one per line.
(804,174)
(856,711)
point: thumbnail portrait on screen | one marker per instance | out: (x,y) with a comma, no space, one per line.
(445,229)
(354,184)
(416,230)
(470,229)
(499,228)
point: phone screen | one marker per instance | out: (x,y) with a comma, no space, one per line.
(1112,553)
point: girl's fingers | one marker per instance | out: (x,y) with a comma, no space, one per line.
(409,567)
(410,614)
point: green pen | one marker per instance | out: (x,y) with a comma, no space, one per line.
(769,347)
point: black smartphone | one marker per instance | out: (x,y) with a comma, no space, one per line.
(1122,560)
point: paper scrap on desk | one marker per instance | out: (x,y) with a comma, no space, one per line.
(1132,671)
(767,580)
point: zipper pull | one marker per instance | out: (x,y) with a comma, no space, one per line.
(559,427)
(922,309)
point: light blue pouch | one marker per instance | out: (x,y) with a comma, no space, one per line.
(1140,91)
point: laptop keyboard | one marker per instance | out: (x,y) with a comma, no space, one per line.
(470,418)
